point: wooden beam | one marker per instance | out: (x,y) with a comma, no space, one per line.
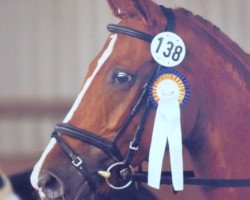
(33,108)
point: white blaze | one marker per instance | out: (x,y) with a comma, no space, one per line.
(100,63)
(36,171)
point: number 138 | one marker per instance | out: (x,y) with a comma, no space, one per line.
(170,50)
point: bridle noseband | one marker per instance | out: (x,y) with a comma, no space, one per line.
(127,173)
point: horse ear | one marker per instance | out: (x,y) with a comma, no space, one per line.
(145,9)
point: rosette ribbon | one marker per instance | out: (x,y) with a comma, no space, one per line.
(168,93)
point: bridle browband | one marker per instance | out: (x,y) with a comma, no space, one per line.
(127,173)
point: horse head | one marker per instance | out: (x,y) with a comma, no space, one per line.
(111,108)
(111,89)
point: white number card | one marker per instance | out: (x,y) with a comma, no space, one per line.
(168,49)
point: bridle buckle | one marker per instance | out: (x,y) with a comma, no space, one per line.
(77,161)
(125,173)
(134,148)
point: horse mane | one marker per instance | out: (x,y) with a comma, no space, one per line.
(230,46)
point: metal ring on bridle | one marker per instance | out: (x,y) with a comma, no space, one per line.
(119,187)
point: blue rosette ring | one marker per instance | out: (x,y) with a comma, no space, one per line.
(169,74)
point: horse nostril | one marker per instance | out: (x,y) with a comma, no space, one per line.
(50,184)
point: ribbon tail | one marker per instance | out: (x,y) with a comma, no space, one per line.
(157,151)
(176,158)
(166,127)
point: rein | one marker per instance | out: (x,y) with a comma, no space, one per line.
(127,175)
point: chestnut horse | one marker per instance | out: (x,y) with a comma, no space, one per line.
(215,122)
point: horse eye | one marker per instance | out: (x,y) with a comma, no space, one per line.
(122,77)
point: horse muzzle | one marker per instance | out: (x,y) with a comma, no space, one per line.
(50,187)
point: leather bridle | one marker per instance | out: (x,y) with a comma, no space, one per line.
(127,173)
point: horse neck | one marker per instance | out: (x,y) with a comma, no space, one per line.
(218,73)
